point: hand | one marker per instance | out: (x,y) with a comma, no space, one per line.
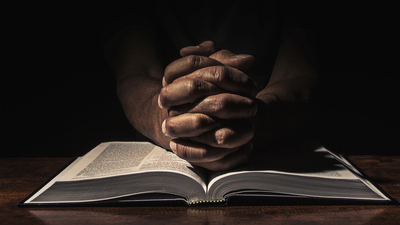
(211,106)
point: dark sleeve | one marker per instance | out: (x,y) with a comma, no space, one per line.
(139,13)
(113,30)
(299,14)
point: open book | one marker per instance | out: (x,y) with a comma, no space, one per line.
(143,173)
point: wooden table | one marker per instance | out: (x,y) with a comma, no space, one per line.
(21,176)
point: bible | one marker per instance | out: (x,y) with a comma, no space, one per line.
(141,173)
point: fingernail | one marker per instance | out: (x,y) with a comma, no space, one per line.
(164,83)
(163,128)
(159,102)
(172,146)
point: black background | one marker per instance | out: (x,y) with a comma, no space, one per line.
(59,94)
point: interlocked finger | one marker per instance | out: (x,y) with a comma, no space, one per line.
(228,78)
(186,91)
(189,125)
(233,135)
(186,65)
(223,106)
(230,161)
(197,152)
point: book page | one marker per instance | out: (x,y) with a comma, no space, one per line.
(331,168)
(56,178)
(160,160)
(319,174)
(124,169)
(120,158)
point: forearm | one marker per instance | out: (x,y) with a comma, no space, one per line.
(294,74)
(139,97)
(283,107)
(139,72)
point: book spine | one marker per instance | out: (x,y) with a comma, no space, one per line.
(208,202)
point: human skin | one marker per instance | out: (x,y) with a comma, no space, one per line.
(203,106)
(211,104)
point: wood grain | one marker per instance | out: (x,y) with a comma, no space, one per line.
(21,176)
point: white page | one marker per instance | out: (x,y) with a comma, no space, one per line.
(119,158)
(58,177)
(123,158)
(338,172)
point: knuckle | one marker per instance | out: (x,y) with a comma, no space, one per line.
(191,154)
(215,105)
(220,73)
(201,121)
(222,54)
(225,52)
(183,151)
(221,137)
(194,60)
(196,85)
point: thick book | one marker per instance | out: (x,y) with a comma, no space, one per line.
(141,173)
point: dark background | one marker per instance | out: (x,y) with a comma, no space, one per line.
(60,96)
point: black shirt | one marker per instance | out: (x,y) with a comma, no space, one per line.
(242,26)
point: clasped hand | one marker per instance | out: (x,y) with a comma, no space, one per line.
(211,106)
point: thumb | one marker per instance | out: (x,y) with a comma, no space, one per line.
(241,62)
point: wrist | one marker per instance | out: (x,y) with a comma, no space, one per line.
(140,104)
